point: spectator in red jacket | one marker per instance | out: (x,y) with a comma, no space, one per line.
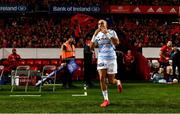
(13,60)
(129,60)
(165,52)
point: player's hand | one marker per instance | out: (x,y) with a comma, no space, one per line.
(104,30)
(167,58)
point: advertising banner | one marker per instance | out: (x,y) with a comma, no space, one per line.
(145,9)
(72,9)
(13,8)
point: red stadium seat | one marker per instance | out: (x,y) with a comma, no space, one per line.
(79,62)
(78,74)
(38,62)
(22,62)
(35,68)
(54,62)
(30,62)
(45,62)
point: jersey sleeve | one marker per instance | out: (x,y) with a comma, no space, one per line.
(113,33)
(93,39)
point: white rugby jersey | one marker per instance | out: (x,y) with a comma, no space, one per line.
(106,49)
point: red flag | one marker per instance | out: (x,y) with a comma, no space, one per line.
(83,21)
(77,31)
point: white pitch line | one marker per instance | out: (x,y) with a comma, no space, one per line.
(75,95)
(85,92)
(24,95)
(78,95)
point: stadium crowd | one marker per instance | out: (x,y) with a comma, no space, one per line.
(46,32)
(93,2)
(29,31)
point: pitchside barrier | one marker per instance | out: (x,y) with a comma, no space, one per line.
(48,72)
(23,76)
(19,72)
(22,79)
(53,53)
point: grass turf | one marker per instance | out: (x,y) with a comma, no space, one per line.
(136,98)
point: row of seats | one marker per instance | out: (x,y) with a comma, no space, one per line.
(35,62)
(38,64)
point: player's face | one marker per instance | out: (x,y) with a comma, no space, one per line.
(129,52)
(169,44)
(14,51)
(88,42)
(71,40)
(102,24)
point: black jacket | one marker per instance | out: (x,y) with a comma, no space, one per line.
(176,58)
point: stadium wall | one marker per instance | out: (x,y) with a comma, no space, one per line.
(53,53)
(38,53)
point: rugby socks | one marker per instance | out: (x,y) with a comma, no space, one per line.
(118,82)
(105,95)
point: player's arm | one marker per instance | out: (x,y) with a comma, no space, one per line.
(63,48)
(92,43)
(115,40)
(113,37)
(93,40)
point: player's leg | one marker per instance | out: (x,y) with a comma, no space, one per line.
(102,76)
(113,80)
(111,71)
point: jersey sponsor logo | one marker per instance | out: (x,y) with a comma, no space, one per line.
(101,64)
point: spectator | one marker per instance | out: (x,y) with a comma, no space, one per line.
(176,62)
(88,56)
(165,52)
(129,60)
(169,72)
(68,54)
(158,77)
(129,64)
(13,59)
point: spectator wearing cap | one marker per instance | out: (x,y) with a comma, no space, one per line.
(13,59)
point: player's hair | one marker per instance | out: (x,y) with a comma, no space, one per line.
(104,21)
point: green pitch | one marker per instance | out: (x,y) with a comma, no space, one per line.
(136,98)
